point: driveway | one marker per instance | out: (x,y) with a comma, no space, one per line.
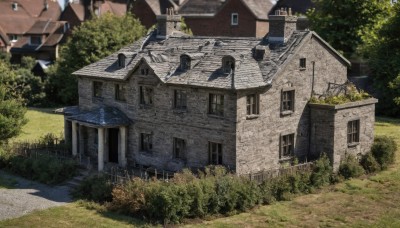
(26,196)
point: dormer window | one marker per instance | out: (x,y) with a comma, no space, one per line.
(15,6)
(121,60)
(35,40)
(185,62)
(228,64)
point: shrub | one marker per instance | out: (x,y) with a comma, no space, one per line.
(384,150)
(129,198)
(322,171)
(95,188)
(369,163)
(350,167)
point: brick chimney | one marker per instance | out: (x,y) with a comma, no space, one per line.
(281,25)
(168,23)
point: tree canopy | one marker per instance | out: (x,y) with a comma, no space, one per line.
(344,23)
(12,110)
(91,41)
(383,52)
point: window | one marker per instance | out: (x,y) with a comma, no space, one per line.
(144,71)
(13,37)
(185,62)
(121,60)
(35,40)
(303,62)
(353,131)
(252,104)
(120,91)
(287,146)
(97,89)
(179,148)
(180,99)
(215,153)
(228,64)
(146,95)
(146,144)
(288,100)
(216,104)
(234,19)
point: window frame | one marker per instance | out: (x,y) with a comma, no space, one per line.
(233,22)
(180,99)
(179,148)
(228,64)
(121,60)
(34,43)
(142,95)
(253,108)
(353,132)
(185,62)
(288,102)
(97,89)
(287,143)
(146,142)
(120,92)
(218,153)
(303,63)
(216,106)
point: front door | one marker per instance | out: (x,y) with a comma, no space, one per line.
(113,145)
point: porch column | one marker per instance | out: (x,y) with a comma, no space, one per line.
(74,139)
(100,154)
(122,157)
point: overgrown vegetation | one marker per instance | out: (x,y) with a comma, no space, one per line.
(45,169)
(352,94)
(214,191)
(384,151)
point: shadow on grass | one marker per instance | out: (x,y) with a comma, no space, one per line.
(386,120)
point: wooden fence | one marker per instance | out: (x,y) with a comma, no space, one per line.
(37,149)
(118,175)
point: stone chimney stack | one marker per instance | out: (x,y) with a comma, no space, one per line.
(168,23)
(281,25)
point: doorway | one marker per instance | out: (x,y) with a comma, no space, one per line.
(113,145)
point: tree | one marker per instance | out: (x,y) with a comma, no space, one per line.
(12,110)
(384,61)
(344,23)
(91,41)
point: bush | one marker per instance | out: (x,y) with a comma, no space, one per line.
(384,150)
(369,163)
(95,188)
(322,172)
(350,167)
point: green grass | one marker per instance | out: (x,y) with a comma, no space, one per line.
(373,201)
(40,123)
(72,215)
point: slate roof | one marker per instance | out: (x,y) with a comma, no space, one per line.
(163,56)
(101,117)
(259,8)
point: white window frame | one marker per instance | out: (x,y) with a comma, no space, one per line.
(233,22)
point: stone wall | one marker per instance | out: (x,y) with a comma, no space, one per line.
(329,124)
(161,120)
(258,138)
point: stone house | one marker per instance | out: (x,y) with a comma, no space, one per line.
(171,101)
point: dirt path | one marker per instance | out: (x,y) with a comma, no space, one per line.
(26,196)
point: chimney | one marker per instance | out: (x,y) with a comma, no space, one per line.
(281,25)
(168,23)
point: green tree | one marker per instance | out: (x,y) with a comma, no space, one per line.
(91,41)
(384,60)
(12,110)
(344,23)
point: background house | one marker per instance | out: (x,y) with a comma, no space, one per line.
(171,101)
(147,10)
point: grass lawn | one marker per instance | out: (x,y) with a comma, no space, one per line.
(40,122)
(371,201)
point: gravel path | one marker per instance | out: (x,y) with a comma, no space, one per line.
(27,196)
